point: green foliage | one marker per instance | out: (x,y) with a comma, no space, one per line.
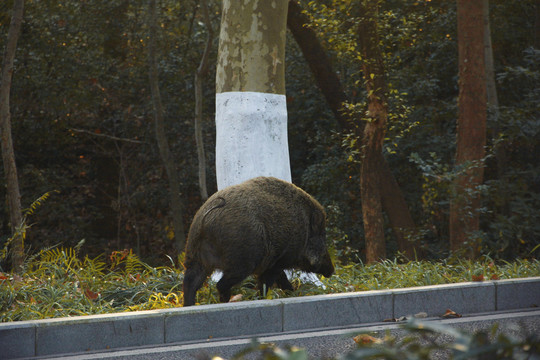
(60,282)
(420,52)
(21,230)
(268,351)
(80,87)
(81,114)
(421,340)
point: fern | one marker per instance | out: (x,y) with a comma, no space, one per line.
(133,264)
(20,231)
(38,202)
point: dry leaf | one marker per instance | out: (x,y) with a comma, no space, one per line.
(449,314)
(366,339)
(90,294)
(236,298)
(478,277)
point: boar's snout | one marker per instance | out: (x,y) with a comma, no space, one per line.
(319,260)
(327,270)
(326,267)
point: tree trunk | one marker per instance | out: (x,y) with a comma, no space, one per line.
(374,130)
(8,155)
(202,71)
(493,112)
(471,127)
(251,111)
(174,183)
(399,216)
(393,201)
(321,68)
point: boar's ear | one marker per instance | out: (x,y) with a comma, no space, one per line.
(317,222)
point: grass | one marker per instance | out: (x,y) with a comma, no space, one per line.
(59,282)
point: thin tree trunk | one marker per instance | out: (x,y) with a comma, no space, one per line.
(8,155)
(202,71)
(493,112)
(471,129)
(174,183)
(393,201)
(399,216)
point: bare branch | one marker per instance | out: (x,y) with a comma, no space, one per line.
(110,137)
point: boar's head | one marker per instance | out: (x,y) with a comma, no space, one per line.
(316,257)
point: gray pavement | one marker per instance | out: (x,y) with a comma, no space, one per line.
(324,343)
(317,323)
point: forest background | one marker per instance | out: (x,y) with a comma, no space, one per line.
(83,123)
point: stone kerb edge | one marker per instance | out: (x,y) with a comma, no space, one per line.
(250,318)
(517,293)
(224,320)
(336,310)
(17,339)
(434,301)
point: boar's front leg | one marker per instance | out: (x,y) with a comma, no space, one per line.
(283,282)
(271,276)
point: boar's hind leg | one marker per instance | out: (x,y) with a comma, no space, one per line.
(227,281)
(194,277)
(271,276)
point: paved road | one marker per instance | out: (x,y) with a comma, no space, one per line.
(325,343)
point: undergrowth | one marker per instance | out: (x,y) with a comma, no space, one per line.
(59,282)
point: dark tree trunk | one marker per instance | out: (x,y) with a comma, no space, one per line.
(374,130)
(395,207)
(471,126)
(393,201)
(175,201)
(325,76)
(8,155)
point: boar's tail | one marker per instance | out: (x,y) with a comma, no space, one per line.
(220,205)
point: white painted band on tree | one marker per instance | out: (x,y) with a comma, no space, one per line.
(251,137)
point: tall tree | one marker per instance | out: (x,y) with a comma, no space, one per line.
(393,201)
(202,71)
(374,130)
(8,155)
(177,208)
(493,112)
(471,126)
(251,111)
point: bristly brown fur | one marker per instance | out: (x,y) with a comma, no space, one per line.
(261,226)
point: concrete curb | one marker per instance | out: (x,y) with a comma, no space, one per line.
(255,318)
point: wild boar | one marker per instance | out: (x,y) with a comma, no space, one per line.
(261,226)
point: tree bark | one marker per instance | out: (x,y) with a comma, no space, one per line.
(471,127)
(8,154)
(251,111)
(393,201)
(374,130)
(202,71)
(177,207)
(320,66)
